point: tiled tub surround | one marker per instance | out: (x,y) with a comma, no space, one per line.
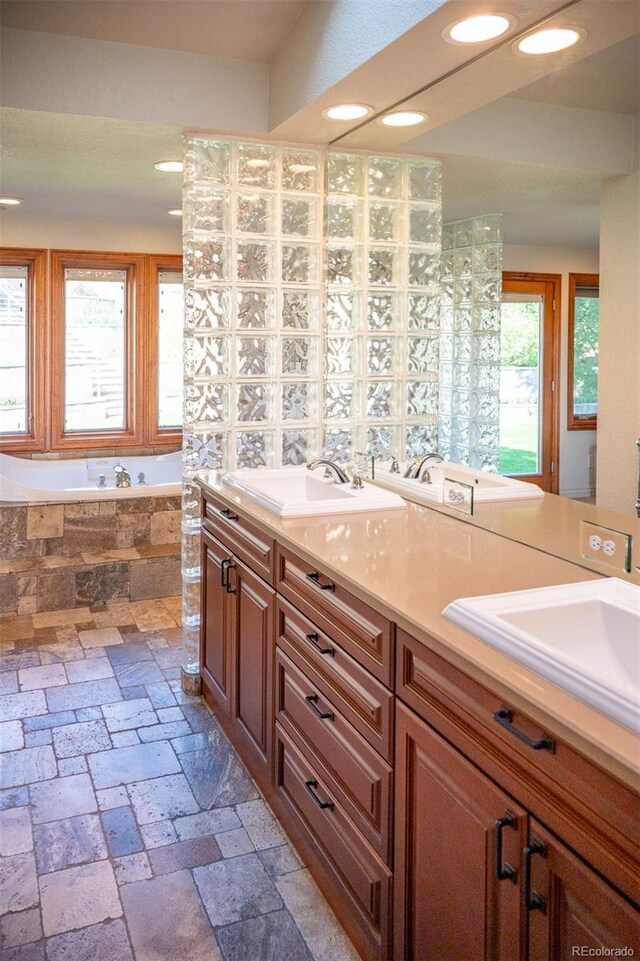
(129,829)
(60,556)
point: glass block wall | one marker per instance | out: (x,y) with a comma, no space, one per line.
(471,296)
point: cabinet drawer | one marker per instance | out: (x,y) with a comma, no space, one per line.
(364,633)
(362,779)
(366,703)
(247,541)
(364,878)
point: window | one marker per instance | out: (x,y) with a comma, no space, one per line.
(584,320)
(22,329)
(164,347)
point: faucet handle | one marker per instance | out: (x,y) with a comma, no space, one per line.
(395,466)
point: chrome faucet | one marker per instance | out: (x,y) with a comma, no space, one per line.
(102,480)
(330,470)
(123,477)
(420,469)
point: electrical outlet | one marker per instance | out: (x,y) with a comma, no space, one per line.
(605,546)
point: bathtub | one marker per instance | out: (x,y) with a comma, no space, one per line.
(58,481)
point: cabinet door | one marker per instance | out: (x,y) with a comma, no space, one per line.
(216,625)
(253,643)
(571,907)
(449,901)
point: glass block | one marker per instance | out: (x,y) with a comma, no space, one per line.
(254,448)
(338,444)
(446,375)
(343,310)
(206,209)
(462,349)
(382,442)
(463,261)
(384,311)
(463,290)
(300,309)
(425,180)
(206,451)
(207,402)
(299,401)
(255,261)
(425,225)
(486,460)
(487,230)
(463,233)
(487,405)
(486,348)
(254,402)
(382,356)
(340,355)
(486,377)
(487,258)
(299,356)
(299,217)
(420,439)
(422,355)
(300,264)
(298,447)
(207,307)
(447,314)
(383,267)
(462,376)
(446,347)
(448,236)
(345,174)
(342,265)
(207,160)
(485,435)
(206,260)
(385,222)
(485,317)
(254,213)
(422,399)
(300,170)
(424,268)
(206,356)
(255,308)
(385,177)
(445,403)
(446,262)
(424,312)
(343,219)
(462,401)
(463,318)
(255,356)
(339,400)
(381,400)
(487,288)
(191,551)
(257,165)
(191,510)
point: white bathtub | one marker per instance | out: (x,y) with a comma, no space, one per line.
(58,481)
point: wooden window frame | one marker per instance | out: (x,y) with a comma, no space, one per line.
(36,262)
(577,280)
(135,266)
(157,436)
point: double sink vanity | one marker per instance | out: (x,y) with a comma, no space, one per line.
(461,786)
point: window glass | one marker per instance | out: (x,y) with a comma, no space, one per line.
(95,349)
(521,331)
(586,323)
(170,333)
(14,340)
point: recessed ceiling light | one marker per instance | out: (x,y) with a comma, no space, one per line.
(347,111)
(169,166)
(550,40)
(403,118)
(175,211)
(478,29)
(10,201)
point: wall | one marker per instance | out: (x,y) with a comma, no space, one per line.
(575,445)
(20,231)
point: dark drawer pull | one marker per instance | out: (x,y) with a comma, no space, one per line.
(224,573)
(228,513)
(230,567)
(504,717)
(313,640)
(312,700)
(535,901)
(314,577)
(311,788)
(504,871)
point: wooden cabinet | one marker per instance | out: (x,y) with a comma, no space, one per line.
(216,631)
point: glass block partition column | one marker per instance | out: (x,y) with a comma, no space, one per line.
(471,297)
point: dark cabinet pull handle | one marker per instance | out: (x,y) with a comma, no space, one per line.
(228,513)
(230,566)
(504,717)
(224,573)
(314,641)
(311,786)
(312,700)
(504,871)
(314,577)
(535,901)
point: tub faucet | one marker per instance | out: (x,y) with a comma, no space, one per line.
(123,477)
(330,469)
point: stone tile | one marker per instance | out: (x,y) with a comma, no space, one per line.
(124,765)
(121,831)
(21,928)
(130,652)
(207,822)
(93,713)
(56,591)
(133,693)
(49,675)
(83,738)
(132,867)
(47,721)
(45,520)
(60,844)
(89,533)
(318,925)
(14,797)
(157,575)
(62,798)
(171,673)
(157,834)
(8,592)
(167,922)
(77,615)
(153,620)
(116,616)
(11,736)
(24,767)
(192,742)
(15,706)
(78,897)
(168,714)
(38,738)
(144,672)
(272,937)
(125,715)
(62,652)
(169,657)
(202,721)
(184,854)
(100,637)
(217,776)
(27,952)
(84,694)
(92,670)
(161,695)
(162,797)
(236,889)
(19,659)
(102,582)
(125,738)
(17,629)
(280,860)
(165,527)
(164,731)
(112,797)
(100,942)
(15,832)
(234,843)
(72,765)
(18,883)
(27,605)
(9,682)
(260,824)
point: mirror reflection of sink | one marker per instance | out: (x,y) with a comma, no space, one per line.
(298,492)
(583,637)
(486,486)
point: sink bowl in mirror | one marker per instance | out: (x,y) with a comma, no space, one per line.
(583,637)
(486,486)
(298,492)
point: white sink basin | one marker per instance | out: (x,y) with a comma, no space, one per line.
(486,486)
(584,637)
(298,492)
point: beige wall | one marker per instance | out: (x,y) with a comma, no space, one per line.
(18,231)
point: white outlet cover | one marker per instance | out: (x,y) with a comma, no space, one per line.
(609,548)
(595,542)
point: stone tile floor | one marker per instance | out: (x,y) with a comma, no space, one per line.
(129,828)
